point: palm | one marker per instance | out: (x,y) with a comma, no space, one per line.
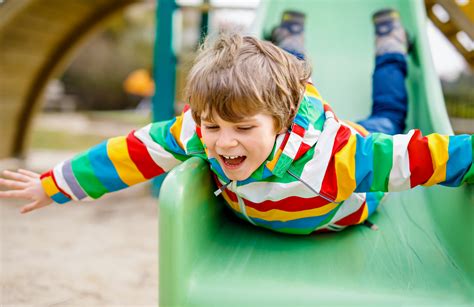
(24,184)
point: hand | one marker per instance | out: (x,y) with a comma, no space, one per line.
(25,184)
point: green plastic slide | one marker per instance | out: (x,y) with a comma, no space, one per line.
(423,252)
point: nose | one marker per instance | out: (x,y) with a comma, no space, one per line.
(226,139)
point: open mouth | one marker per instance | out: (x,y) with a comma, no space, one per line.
(232,161)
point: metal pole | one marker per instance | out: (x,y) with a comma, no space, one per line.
(164,70)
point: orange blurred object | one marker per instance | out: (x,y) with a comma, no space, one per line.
(139,83)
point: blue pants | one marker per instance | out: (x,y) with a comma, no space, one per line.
(389,95)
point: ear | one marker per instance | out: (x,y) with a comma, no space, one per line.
(283,130)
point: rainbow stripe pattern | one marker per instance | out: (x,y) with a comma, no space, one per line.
(122,161)
(324,174)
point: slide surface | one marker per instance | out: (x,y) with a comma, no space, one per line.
(423,252)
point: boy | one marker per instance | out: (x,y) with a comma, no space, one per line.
(280,157)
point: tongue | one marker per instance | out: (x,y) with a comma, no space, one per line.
(235,161)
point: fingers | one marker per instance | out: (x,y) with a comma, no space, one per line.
(28,173)
(12,184)
(33,206)
(30,207)
(12,194)
(16,176)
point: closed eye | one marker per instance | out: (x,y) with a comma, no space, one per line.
(245,128)
(211,127)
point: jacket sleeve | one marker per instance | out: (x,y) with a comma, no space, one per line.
(121,161)
(380,162)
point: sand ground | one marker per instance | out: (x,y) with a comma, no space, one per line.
(95,254)
(102,253)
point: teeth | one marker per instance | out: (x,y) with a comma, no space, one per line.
(231,157)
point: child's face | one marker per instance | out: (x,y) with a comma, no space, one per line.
(239,147)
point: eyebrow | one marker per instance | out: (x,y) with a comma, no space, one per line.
(247,120)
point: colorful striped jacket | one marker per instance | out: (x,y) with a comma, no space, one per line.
(323,174)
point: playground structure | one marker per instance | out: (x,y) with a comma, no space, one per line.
(208,258)
(456,20)
(39,38)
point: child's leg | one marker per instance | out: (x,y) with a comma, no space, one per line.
(389,95)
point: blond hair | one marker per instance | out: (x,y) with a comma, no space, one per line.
(236,76)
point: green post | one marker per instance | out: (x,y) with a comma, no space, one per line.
(204,21)
(164,70)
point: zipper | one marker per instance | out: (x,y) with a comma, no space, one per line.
(366,223)
(311,188)
(243,209)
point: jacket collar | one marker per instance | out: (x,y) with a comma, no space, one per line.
(303,133)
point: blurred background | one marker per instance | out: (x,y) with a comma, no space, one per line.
(107,77)
(103,88)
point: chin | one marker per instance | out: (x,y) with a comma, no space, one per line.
(237,177)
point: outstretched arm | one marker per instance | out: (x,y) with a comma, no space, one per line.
(110,166)
(404,161)
(386,163)
(25,184)
(115,164)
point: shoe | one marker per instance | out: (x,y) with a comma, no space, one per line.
(289,35)
(390,36)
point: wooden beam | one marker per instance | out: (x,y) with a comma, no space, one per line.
(461,19)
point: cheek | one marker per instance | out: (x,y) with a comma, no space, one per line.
(208,141)
(263,145)
(268,144)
